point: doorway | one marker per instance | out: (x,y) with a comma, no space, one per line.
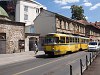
(2,43)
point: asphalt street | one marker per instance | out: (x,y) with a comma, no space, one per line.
(44,65)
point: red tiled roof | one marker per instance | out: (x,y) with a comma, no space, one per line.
(96,24)
(83,22)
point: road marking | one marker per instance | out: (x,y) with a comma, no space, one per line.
(37,67)
(42,66)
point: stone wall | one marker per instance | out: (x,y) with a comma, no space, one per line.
(15,31)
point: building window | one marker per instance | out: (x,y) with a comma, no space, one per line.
(90,32)
(68,27)
(79,28)
(57,23)
(84,29)
(25,17)
(71,26)
(26,8)
(64,25)
(37,10)
(60,23)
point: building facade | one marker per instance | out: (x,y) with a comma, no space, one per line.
(11,36)
(50,22)
(92,29)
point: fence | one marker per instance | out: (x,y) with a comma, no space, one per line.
(92,56)
(71,68)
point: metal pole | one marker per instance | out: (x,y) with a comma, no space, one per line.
(81,66)
(70,69)
(90,58)
(92,54)
(86,62)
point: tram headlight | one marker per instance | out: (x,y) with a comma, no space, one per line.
(53,48)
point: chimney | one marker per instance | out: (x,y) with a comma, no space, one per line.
(95,23)
(41,9)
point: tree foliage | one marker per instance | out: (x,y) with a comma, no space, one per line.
(77,12)
(15,1)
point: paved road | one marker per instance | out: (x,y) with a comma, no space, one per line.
(44,65)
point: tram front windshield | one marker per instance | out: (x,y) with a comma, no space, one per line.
(51,40)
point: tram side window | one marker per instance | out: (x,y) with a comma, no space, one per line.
(51,40)
(67,40)
(87,40)
(79,40)
(76,40)
(62,39)
(56,39)
(71,39)
(82,40)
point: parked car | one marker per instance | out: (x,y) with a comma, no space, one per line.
(94,46)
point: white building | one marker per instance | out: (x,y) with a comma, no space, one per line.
(27,11)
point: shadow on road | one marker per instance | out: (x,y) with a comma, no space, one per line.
(46,56)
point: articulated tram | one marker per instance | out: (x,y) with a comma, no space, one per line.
(58,44)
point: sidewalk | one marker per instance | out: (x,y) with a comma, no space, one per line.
(17,57)
(94,68)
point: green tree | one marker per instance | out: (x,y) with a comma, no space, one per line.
(77,12)
(14,1)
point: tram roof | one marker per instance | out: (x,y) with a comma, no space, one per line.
(84,37)
(60,34)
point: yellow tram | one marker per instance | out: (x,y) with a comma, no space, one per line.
(58,44)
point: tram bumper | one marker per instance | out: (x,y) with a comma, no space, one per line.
(52,52)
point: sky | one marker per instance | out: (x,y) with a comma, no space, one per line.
(62,7)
